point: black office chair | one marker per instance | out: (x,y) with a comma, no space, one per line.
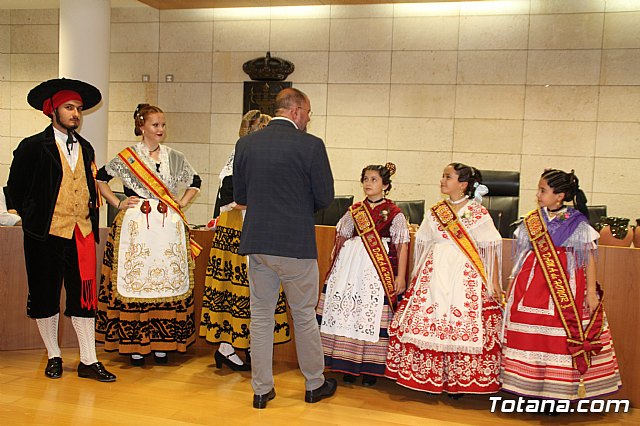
(332,214)
(413,210)
(502,199)
(112,212)
(595,213)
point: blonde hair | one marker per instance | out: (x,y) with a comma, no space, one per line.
(253,120)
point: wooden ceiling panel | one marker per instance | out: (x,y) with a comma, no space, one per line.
(203,4)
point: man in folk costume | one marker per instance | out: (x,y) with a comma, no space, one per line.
(52,186)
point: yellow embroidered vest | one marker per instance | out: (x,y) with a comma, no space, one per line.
(72,205)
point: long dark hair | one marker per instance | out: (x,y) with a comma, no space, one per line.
(468,174)
(567,183)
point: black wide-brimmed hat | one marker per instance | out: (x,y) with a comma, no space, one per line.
(90,95)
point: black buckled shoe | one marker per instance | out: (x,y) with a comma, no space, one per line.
(260,401)
(95,371)
(368,380)
(161,359)
(136,362)
(222,359)
(349,378)
(54,368)
(327,389)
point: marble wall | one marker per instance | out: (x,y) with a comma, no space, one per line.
(506,85)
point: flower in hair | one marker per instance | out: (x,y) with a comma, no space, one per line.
(391,167)
(480,191)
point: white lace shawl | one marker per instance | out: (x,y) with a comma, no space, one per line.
(175,171)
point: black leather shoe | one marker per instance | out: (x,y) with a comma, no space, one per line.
(327,389)
(221,359)
(368,380)
(348,378)
(260,401)
(95,371)
(161,359)
(136,362)
(54,368)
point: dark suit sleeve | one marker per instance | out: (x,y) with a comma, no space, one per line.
(239,178)
(7,199)
(321,178)
(20,176)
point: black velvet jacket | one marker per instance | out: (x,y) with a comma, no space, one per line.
(34,182)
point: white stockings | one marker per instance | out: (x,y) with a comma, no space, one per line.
(84,327)
(86,339)
(48,328)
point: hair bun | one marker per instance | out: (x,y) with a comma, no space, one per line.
(391,167)
(137,111)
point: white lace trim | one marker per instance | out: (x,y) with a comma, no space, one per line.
(175,170)
(538,357)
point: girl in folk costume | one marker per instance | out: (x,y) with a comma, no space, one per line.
(444,336)
(368,272)
(225,307)
(557,342)
(145,301)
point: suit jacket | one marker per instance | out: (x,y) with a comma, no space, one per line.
(283,176)
(34,182)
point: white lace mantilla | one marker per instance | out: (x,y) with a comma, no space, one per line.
(175,170)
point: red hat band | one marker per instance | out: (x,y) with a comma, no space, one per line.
(58,99)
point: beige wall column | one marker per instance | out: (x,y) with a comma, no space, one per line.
(85,35)
(85,32)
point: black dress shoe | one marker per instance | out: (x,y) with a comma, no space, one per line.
(327,389)
(368,380)
(221,359)
(455,396)
(95,371)
(136,362)
(54,368)
(260,401)
(161,359)
(348,378)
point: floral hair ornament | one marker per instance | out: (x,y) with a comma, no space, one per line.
(391,167)
(480,191)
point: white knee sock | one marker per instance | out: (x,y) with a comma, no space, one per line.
(48,328)
(85,330)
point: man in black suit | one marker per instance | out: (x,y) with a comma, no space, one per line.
(52,186)
(282,175)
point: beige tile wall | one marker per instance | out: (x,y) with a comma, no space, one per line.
(512,85)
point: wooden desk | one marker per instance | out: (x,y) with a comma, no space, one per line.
(618,271)
(17,331)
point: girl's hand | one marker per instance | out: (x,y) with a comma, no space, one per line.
(592,301)
(399,285)
(128,203)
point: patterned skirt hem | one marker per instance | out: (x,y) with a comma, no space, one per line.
(436,390)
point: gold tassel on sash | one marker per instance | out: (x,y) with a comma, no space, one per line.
(582,391)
